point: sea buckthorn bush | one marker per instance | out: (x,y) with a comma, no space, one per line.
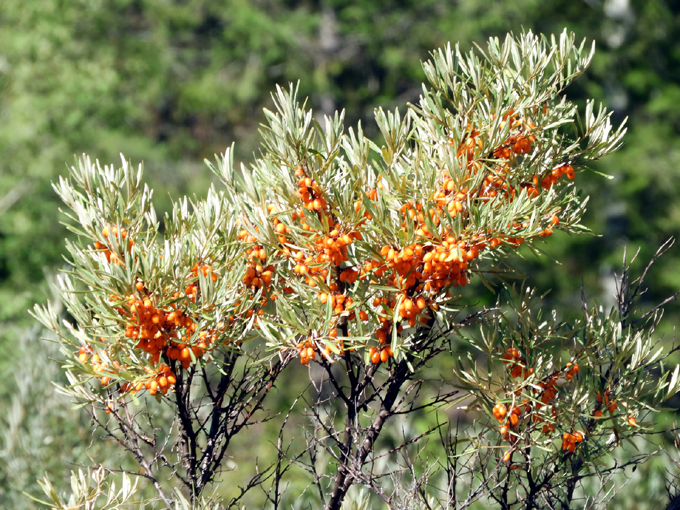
(352,256)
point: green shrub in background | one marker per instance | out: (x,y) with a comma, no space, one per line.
(42,433)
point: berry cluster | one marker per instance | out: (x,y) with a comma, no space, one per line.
(380,354)
(307,351)
(569,440)
(612,406)
(436,259)
(164,332)
(518,367)
(544,391)
(514,414)
(258,275)
(107,247)
(573,370)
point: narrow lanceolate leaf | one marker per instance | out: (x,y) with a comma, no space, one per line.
(674,384)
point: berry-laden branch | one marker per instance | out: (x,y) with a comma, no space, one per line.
(560,417)
(160,317)
(370,245)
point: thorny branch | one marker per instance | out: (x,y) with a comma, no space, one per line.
(207,419)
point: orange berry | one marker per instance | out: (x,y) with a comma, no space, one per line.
(511,354)
(532,192)
(522,146)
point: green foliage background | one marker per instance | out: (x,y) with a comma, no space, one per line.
(172,82)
